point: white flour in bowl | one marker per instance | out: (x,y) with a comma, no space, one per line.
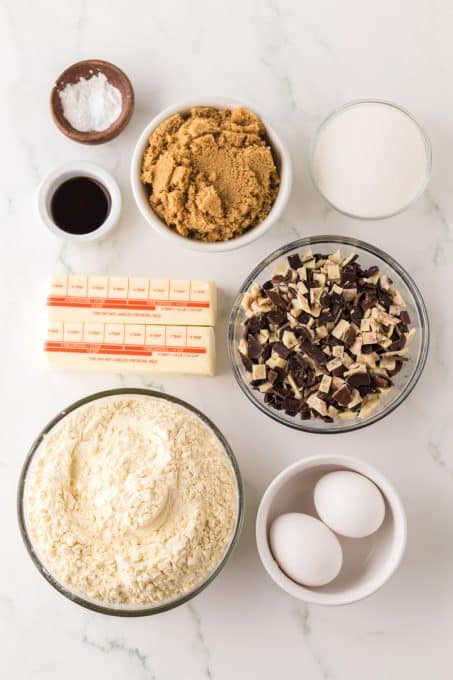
(131,501)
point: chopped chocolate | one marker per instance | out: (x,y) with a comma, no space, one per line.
(291,406)
(276,317)
(405,318)
(254,325)
(254,347)
(358,379)
(246,362)
(294,261)
(314,352)
(280,349)
(324,337)
(276,299)
(343,395)
(349,336)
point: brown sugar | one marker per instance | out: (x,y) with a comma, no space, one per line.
(210,173)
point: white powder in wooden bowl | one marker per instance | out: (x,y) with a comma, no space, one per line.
(91,104)
(131,501)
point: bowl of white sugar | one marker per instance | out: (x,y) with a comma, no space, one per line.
(371,159)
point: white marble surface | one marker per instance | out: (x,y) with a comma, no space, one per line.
(294,62)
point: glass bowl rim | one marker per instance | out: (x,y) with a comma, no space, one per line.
(375,252)
(105,608)
(357,102)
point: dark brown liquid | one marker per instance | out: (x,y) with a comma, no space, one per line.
(80,205)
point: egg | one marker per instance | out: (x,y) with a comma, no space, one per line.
(305,549)
(349,503)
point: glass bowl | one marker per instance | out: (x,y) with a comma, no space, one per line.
(364,102)
(404,381)
(128,610)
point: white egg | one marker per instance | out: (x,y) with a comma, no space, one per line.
(349,503)
(305,549)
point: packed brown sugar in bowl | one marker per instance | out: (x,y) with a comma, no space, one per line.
(211,174)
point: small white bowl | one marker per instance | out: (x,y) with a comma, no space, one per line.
(367,562)
(282,161)
(51,183)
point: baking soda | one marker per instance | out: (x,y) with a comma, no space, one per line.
(370,160)
(92,104)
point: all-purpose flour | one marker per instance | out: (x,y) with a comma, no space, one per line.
(131,501)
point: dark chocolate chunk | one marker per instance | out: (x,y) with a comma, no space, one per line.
(343,395)
(405,318)
(357,315)
(290,405)
(358,379)
(369,300)
(294,261)
(273,376)
(276,317)
(349,336)
(266,351)
(276,299)
(254,325)
(253,347)
(314,353)
(397,344)
(397,369)
(382,381)
(384,298)
(339,372)
(305,413)
(281,349)
(371,271)
(246,362)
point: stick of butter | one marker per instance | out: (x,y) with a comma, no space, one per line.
(130,348)
(116,299)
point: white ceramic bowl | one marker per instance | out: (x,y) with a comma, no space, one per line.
(282,161)
(50,184)
(367,562)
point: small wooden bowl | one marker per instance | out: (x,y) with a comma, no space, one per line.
(87,69)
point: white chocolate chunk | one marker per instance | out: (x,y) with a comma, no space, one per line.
(324,385)
(340,329)
(333,272)
(335,257)
(334,364)
(289,339)
(317,404)
(259,372)
(315,295)
(369,338)
(265,387)
(369,406)
(295,389)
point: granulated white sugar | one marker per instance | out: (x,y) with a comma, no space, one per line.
(370,160)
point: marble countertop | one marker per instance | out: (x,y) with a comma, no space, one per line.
(294,62)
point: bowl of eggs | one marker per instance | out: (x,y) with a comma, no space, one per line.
(330,530)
